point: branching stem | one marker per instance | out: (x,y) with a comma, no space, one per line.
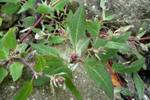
(31,66)
(36,24)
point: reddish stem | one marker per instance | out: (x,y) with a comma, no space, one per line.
(37,23)
(104,33)
(145,38)
(32,68)
(5,64)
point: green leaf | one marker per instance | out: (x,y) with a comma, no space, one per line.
(99,42)
(9,41)
(60,5)
(49,28)
(102,4)
(55,39)
(139,85)
(30,4)
(24,92)
(35,30)
(143,26)
(82,46)
(21,47)
(1,21)
(44,9)
(29,20)
(53,62)
(69,16)
(40,63)
(134,67)
(77,26)
(3,74)
(147,45)
(121,39)
(107,54)
(3,55)
(110,17)
(93,28)
(64,69)
(141,34)
(16,70)
(139,56)
(98,73)
(10,9)
(45,50)
(10,1)
(116,45)
(123,90)
(124,29)
(72,87)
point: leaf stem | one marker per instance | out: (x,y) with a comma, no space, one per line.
(36,24)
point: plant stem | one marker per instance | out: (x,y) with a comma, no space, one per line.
(32,68)
(145,38)
(36,24)
(103,33)
(5,64)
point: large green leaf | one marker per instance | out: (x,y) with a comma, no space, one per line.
(44,9)
(3,55)
(29,4)
(121,39)
(93,28)
(116,45)
(45,50)
(77,26)
(107,54)
(53,61)
(3,74)
(29,20)
(16,70)
(139,85)
(60,5)
(40,63)
(10,8)
(24,92)
(82,46)
(9,41)
(99,42)
(55,39)
(10,1)
(72,87)
(98,73)
(134,67)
